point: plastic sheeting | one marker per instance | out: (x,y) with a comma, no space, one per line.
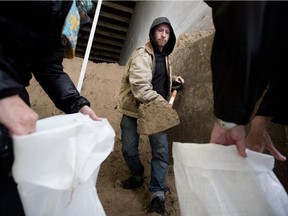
(56,167)
(213,180)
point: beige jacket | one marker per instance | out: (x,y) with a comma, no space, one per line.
(136,84)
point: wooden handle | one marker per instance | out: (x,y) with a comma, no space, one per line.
(172,98)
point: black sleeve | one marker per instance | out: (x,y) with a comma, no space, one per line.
(250,53)
(56,83)
(31,42)
(8,86)
(238,73)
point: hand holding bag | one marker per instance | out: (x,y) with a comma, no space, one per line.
(56,167)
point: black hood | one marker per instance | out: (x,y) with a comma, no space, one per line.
(168,48)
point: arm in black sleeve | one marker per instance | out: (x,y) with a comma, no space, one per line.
(236,59)
(249,54)
(8,85)
(56,83)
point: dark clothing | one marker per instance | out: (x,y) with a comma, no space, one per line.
(159,152)
(160,78)
(249,54)
(10,203)
(30,43)
(6,160)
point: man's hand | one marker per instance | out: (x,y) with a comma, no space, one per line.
(86,110)
(259,140)
(235,135)
(17,116)
(179,79)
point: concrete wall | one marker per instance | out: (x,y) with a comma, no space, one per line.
(185,17)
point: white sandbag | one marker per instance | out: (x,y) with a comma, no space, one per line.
(213,180)
(56,167)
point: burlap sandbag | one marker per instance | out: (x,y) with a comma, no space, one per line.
(156,117)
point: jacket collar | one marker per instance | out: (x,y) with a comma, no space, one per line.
(149,48)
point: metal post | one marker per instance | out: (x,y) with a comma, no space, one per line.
(88,48)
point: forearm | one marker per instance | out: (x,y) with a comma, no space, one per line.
(8,86)
(236,82)
(49,72)
(64,94)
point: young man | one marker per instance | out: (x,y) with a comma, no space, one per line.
(147,77)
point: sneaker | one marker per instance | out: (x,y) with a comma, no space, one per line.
(133,182)
(157,205)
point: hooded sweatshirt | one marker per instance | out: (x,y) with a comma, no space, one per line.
(160,80)
(136,83)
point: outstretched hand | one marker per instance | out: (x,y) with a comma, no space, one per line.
(86,110)
(231,136)
(179,79)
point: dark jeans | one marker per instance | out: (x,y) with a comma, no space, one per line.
(159,147)
(10,203)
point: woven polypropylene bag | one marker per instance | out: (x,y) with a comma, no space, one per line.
(213,180)
(56,167)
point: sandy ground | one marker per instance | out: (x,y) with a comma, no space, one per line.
(101,86)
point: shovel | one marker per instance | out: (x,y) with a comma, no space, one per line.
(175,88)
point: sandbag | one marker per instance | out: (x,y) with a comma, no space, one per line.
(155,117)
(56,167)
(213,180)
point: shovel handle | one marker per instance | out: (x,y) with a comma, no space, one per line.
(172,98)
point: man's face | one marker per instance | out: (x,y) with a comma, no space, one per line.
(161,35)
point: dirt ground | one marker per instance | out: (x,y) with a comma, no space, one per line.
(101,87)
